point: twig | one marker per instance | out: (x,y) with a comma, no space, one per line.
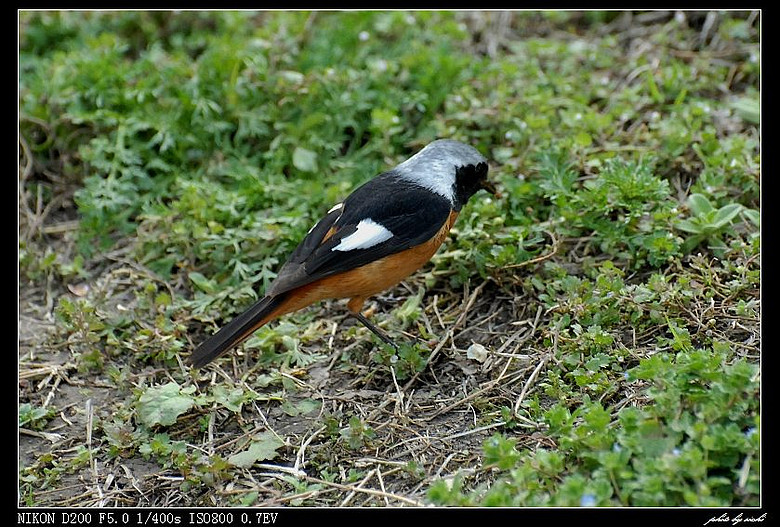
(28,167)
(281,468)
(48,369)
(435,352)
(470,396)
(366,491)
(367,461)
(63,226)
(57,380)
(382,485)
(299,496)
(299,457)
(744,472)
(45,435)
(133,480)
(444,464)
(709,22)
(473,431)
(359,485)
(541,258)
(436,311)
(212,418)
(400,402)
(529,383)
(497,380)
(92,463)
(332,335)
(450,332)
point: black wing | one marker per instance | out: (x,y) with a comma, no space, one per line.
(412,214)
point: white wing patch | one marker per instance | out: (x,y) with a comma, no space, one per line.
(368,234)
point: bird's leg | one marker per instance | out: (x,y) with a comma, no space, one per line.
(375,330)
(354,306)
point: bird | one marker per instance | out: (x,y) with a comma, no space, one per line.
(384,231)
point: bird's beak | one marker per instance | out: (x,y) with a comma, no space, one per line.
(490,187)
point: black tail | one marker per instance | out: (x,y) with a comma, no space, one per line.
(235,332)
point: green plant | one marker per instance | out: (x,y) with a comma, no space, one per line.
(709,224)
(357,434)
(694,443)
(625,208)
(34,417)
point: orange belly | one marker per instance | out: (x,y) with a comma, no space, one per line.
(362,282)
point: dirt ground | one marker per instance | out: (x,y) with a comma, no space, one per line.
(427,421)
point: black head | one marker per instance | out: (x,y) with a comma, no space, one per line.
(468,180)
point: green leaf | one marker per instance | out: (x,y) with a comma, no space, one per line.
(500,452)
(726,214)
(598,361)
(263,447)
(652,87)
(301,407)
(689,226)
(304,160)
(753,215)
(559,418)
(232,400)
(30,414)
(596,417)
(748,108)
(161,405)
(699,204)
(583,138)
(202,283)
(248,499)
(410,309)
(502,154)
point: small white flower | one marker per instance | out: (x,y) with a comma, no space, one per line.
(363,36)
